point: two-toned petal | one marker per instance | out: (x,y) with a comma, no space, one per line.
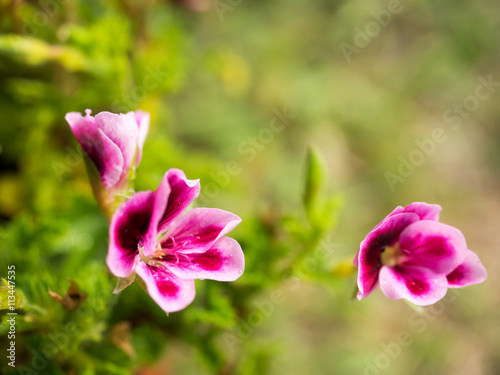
(419,286)
(111,141)
(371,248)
(424,210)
(433,245)
(193,245)
(105,154)
(198,229)
(182,193)
(126,231)
(411,255)
(223,261)
(122,130)
(174,194)
(159,206)
(470,272)
(170,292)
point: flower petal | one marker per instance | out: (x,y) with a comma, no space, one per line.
(198,229)
(470,272)
(172,197)
(433,245)
(142,118)
(167,290)
(384,234)
(397,210)
(424,210)
(106,156)
(74,117)
(224,261)
(182,193)
(416,285)
(128,225)
(123,131)
(150,239)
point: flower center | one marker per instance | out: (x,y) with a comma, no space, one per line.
(158,254)
(392,255)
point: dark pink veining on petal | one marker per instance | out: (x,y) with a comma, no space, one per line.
(411,255)
(171,248)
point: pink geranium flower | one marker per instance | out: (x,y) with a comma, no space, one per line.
(113,144)
(413,256)
(151,237)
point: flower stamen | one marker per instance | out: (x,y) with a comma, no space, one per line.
(392,255)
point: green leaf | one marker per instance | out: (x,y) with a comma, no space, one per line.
(315,184)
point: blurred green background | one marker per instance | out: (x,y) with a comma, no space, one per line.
(214,75)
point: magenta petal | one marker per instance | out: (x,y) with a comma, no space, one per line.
(424,211)
(172,197)
(433,245)
(397,210)
(198,229)
(128,225)
(384,234)
(167,290)
(162,194)
(142,118)
(416,285)
(182,193)
(470,272)
(356,259)
(74,117)
(224,261)
(123,131)
(106,156)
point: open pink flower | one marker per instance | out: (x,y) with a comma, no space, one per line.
(112,142)
(151,237)
(413,256)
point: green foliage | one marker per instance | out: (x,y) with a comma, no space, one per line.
(212,86)
(45,247)
(321,211)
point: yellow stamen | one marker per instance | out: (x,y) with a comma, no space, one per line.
(392,255)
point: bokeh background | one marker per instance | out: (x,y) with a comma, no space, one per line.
(364,83)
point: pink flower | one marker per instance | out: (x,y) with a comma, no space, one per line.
(151,237)
(111,142)
(413,256)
